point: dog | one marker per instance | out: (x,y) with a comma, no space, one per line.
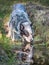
(19,25)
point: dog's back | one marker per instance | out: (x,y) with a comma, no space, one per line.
(17,14)
(19,6)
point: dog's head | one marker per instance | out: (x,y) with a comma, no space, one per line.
(26,31)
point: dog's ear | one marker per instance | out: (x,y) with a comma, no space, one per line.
(21,27)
